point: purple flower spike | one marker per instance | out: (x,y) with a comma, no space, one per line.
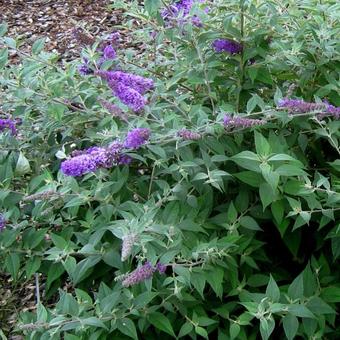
(130,97)
(79,165)
(240,122)
(139,275)
(136,138)
(300,106)
(8,124)
(138,83)
(100,156)
(2,223)
(188,135)
(227,45)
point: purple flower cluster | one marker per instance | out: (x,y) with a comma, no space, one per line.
(240,122)
(178,13)
(8,123)
(83,162)
(136,138)
(2,223)
(129,88)
(188,135)
(300,106)
(227,45)
(143,273)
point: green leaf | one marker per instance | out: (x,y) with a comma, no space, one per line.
(277,209)
(12,263)
(67,304)
(290,326)
(161,322)
(296,289)
(251,178)
(92,321)
(202,332)
(215,278)
(318,306)
(32,265)
(247,160)
(300,310)
(249,223)
(270,176)
(59,242)
(231,213)
(198,281)
(54,272)
(23,165)
(185,329)
(41,313)
(143,299)
(331,294)
(38,46)
(84,268)
(267,195)
(127,327)
(234,330)
(266,327)
(3,29)
(261,144)
(273,291)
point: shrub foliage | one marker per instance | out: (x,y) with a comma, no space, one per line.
(186,187)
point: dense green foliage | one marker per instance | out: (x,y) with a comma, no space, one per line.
(246,219)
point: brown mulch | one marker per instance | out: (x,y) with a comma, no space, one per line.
(56,20)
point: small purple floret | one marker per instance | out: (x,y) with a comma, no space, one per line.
(136,138)
(109,52)
(8,124)
(227,45)
(2,222)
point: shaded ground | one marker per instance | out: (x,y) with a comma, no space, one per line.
(56,20)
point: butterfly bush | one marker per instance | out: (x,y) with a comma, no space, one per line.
(239,210)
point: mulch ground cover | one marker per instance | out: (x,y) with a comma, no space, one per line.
(57,20)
